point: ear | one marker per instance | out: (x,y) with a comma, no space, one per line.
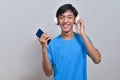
(77,18)
(56,21)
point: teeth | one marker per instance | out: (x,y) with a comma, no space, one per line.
(65,25)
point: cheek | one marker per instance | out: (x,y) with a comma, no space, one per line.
(72,21)
(60,21)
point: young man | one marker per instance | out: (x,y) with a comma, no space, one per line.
(66,54)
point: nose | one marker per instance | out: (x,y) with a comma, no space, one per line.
(65,20)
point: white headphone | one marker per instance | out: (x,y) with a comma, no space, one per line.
(56,21)
(77,18)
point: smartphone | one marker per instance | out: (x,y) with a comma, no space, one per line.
(39,33)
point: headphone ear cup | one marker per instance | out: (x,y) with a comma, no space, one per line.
(77,18)
(55,21)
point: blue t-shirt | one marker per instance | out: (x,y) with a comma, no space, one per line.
(68,58)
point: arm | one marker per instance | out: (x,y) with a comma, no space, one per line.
(94,54)
(47,67)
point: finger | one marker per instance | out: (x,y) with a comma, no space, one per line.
(47,36)
(48,39)
(81,23)
(77,28)
(44,36)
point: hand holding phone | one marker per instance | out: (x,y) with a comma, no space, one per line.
(39,33)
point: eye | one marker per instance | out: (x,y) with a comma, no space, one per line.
(61,17)
(70,17)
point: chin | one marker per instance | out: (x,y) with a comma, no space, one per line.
(66,31)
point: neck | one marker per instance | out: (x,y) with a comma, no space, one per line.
(67,35)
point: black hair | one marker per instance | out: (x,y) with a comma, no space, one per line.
(65,8)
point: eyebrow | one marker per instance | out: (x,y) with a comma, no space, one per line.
(67,15)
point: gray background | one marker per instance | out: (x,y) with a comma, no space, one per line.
(20,51)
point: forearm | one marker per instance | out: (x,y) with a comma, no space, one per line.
(46,64)
(47,67)
(93,52)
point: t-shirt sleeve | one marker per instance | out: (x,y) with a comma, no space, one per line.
(50,54)
(85,48)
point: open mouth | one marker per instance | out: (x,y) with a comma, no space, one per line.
(65,26)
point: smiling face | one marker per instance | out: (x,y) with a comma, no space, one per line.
(66,21)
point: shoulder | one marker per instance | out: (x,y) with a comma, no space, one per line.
(55,40)
(77,36)
(80,38)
